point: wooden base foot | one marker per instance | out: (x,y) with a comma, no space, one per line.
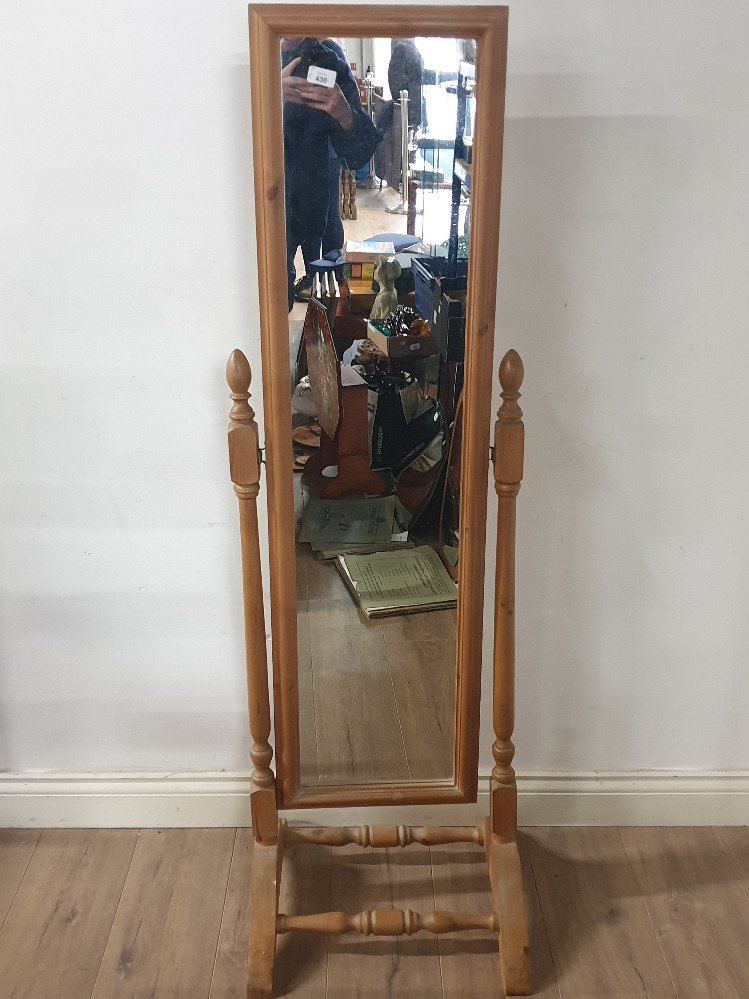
(506,879)
(265,879)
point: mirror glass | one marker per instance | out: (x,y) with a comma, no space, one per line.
(377,163)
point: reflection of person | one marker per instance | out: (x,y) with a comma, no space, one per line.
(322,127)
(332,237)
(405,73)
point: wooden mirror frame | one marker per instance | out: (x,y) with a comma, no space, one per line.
(488,26)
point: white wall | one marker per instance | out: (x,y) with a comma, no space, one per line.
(127,276)
(623,277)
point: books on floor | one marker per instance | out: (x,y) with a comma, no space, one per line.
(335,527)
(398,582)
(396,543)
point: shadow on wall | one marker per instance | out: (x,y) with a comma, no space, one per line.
(582,240)
(241,187)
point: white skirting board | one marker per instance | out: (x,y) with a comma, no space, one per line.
(163,800)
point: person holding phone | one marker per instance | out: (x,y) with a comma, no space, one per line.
(324,126)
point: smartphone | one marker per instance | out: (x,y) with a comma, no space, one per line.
(318,63)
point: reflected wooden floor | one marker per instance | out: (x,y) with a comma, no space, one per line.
(619,913)
(376,697)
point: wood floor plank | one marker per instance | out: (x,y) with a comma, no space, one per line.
(583,890)
(430,626)
(165,934)
(57,926)
(383,967)
(302,958)
(699,912)
(230,970)
(423,677)
(735,841)
(356,717)
(16,849)
(469,961)
(601,939)
(543,976)
(308,769)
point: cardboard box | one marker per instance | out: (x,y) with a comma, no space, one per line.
(366,251)
(401,346)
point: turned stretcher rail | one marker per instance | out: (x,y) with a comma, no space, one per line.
(387,922)
(384,836)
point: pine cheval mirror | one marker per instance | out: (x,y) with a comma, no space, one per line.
(377,384)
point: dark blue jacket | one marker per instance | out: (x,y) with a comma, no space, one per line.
(306,133)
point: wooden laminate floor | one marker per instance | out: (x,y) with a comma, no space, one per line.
(613,913)
(376,698)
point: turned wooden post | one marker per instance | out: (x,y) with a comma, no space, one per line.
(387,922)
(383,836)
(508,472)
(244,465)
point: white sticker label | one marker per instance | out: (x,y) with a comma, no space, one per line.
(415,346)
(322,77)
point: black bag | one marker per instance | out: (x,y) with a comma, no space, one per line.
(398,439)
(388,430)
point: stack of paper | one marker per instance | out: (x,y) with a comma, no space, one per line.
(335,527)
(398,582)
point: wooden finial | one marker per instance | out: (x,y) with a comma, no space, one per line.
(244,456)
(508,430)
(238,377)
(238,373)
(511,374)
